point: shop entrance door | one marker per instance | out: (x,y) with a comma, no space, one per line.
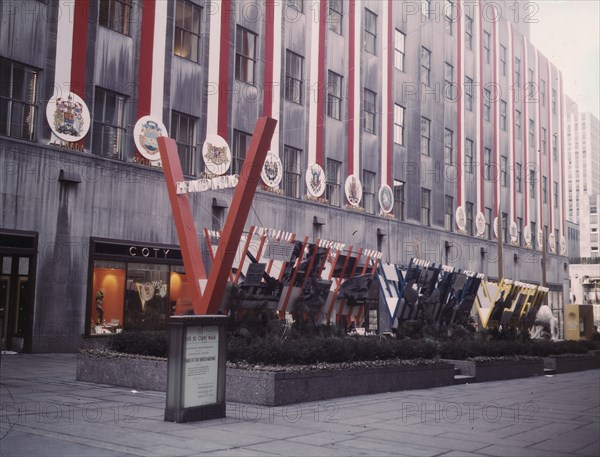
(15,300)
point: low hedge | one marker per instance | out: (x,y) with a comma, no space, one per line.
(303,350)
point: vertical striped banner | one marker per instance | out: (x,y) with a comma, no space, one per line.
(385,93)
(64,50)
(539,144)
(214,66)
(158,60)
(146,56)
(496,116)
(390,93)
(357,87)
(511,128)
(321,84)
(79,47)
(549,145)
(223,88)
(480,126)
(313,119)
(561,151)
(460,191)
(525,127)
(272,75)
(351,85)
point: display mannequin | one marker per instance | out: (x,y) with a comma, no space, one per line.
(99,308)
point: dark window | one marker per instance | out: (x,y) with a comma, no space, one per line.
(469,217)
(449,213)
(399,200)
(488,165)
(486,46)
(533,236)
(488,223)
(449,16)
(503,115)
(519,177)
(399,49)
(291,171)
(545,188)
(334,95)
(518,123)
(369,107)
(333,182)
(449,146)
(555,193)
(532,134)
(503,59)
(543,142)
(468,93)
(398,124)
(109,124)
(553,101)
(468,33)
(369,191)
(504,228)
(425,207)
(115,14)
(18,100)
(519,231)
(532,180)
(293,76)
(543,92)
(245,55)
(487,97)
(426,7)
(241,141)
(425,66)
(188,19)
(469,156)
(504,171)
(555,147)
(425,135)
(370,32)
(449,89)
(183,131)
(517,71)
(335,14)
(295,4)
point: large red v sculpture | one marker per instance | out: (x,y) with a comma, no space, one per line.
(209,301)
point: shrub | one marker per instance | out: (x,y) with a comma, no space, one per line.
(153,343)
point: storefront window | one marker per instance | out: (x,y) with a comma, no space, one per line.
(107,296)
(146,296)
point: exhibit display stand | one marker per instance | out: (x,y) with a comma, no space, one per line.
(196,368)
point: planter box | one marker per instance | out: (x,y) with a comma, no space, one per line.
(144,373)
(269,388)
(569,364)
(499,369)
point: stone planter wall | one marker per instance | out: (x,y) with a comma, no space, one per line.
(282,388)
(571,364)
(269,388)
(134,372)
(496,370)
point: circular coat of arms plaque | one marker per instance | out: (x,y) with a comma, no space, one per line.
(146,132)
(315,180)
(514,232)
(354,190)
(272,171)
(563,245)
(386,198)
(461,218)
(69,117)
(527,236)
(216,154)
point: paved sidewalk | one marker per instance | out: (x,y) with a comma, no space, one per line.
(45,412)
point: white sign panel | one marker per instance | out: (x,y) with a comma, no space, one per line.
(201,366)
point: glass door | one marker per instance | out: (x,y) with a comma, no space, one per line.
(15,299)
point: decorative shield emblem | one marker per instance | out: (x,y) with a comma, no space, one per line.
(146,132)
(480,223)
(353,189)
(514,232)
(563,245)
(272,171)
(216,154)
(540,239)
(552,241)
(461,218)
(69,117)
(527,236)
(315,180)
(386,198)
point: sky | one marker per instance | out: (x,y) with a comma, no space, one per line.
(568,33)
